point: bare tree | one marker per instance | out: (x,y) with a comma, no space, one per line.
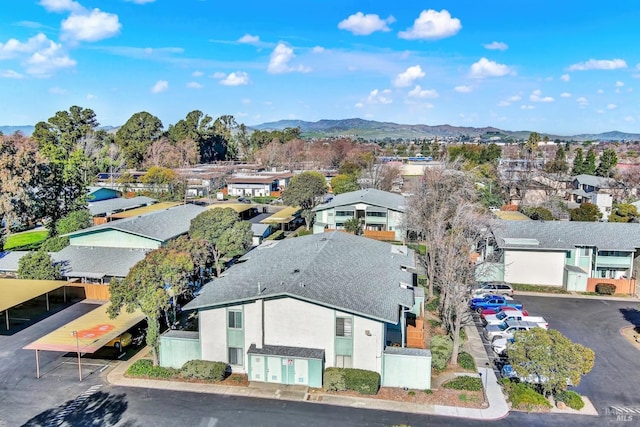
(442,190)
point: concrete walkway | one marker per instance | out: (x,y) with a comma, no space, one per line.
(497,405)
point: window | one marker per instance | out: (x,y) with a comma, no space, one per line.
(344,213)
(343,361)
(377,214)
(344,327)
(235,356)
(235,319)
(584,251)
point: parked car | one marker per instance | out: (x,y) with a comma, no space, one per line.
(507,329)
(497,310)
(492,301)
(495,319)
(121,341)
(499,345)
(493,288)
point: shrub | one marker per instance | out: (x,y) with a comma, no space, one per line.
(411,393)
(360,380)
(145,368)
(205,370)
(427,391)
(465,360)
(524,397)
(605,288)
(432,305)
(572,399)
(441,349)
(464,383)
(334,379)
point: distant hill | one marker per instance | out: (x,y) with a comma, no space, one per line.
(370,129)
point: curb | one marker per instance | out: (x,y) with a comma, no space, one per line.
(576,296)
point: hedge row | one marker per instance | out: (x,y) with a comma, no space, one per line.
(523,397)
(570,398)
(464,383)
(605,288)
(360,380)
(199,369)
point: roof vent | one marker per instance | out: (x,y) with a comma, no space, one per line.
(297,270)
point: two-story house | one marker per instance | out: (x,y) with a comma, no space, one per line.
(570,254)
(258,184)
(288,309)
(381,214)
(596,190)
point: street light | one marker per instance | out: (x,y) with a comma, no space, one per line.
(75,333)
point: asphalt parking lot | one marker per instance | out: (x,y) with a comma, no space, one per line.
(596,324)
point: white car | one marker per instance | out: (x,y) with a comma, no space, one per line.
(495,288)
(499,345)
(496,319)
(506,329)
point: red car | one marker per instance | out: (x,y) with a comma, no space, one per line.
(499,309)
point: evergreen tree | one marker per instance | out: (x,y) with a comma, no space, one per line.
(578,163)
(608,161)
(589,164)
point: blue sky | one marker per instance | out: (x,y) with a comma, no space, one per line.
(548,66)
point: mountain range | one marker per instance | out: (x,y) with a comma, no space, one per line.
(374,130)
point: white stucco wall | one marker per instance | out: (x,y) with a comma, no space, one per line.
(534,268)
(367,349)
(213,334)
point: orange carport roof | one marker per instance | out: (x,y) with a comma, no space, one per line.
(238,207)
(17,291)
(94,330)
(145,210)
(284,215)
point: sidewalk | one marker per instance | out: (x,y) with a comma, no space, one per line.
(497,405)
(576,295)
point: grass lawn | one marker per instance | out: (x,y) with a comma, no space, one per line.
(26,238)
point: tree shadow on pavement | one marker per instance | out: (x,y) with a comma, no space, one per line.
(632,315)
(98,409)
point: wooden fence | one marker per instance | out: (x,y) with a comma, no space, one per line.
(623,286)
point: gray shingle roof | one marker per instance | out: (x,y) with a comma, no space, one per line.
(161,225)
(338,270)
(175,333)
(407,351)
(370,196)
(566,235)
(9,261)
(280,350)
(97,262)
(596,181)
(118,204)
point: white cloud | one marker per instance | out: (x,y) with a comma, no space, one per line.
(619,83)
(496,46)
(485,68)
(61,5)
(58,91)
(245,101)
(14,47)
(629,119)
(317,49)
(46,56)
(536,96)
(218,75)
(239,78)
(463,89)
(160,86)
(280,58)
(600,91)
(565,77)
(363,25)
(527,107)
(432,25)
(94,26)
(377,97)
(249,39)
(418,92)
(10,74)
(90,96)
(197,73)
(611,106)
(194,85)
(582,102)
(565,95)
(408,76)
(509,101)
(599,64)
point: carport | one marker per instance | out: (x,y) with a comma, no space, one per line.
(244,210)
(144,210)
(282,217)
(14,292)
(86,334)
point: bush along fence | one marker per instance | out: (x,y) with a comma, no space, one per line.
(359,380)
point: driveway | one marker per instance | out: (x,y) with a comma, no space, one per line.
(596,324)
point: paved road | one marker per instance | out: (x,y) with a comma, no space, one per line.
(596,324)
(58,399)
